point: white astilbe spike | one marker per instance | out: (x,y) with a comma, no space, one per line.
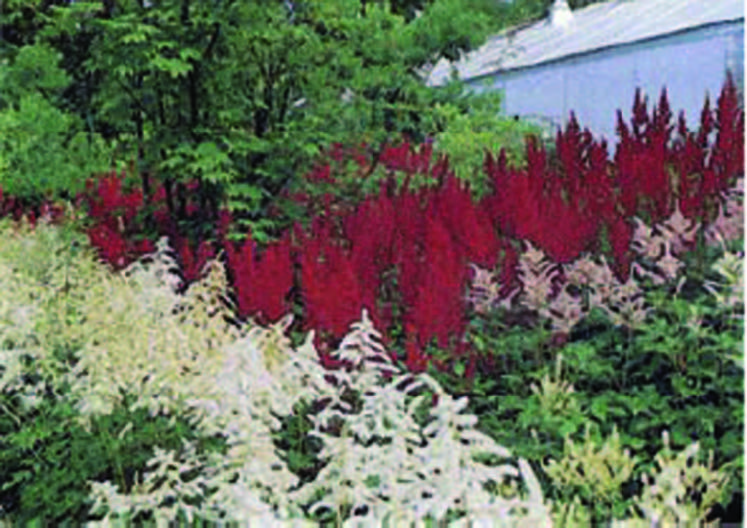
(421,469)
(484,291)
(728,225)
(363,345)
(626,306)
(729,291)
(564,312)
(536,274)
(645,242)
(156,275)
(582,272)
(679,231)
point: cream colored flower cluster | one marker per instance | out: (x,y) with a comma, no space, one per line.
(382,461)
(393,455)
(178,354)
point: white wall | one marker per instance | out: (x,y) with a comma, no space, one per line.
(595,85)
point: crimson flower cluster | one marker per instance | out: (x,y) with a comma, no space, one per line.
(404,252)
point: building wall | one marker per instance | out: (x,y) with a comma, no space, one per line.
(690,64)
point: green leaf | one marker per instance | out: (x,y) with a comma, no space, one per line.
(459,369)
(599,408)
(174,67)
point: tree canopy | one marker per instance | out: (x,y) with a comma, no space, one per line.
(240,95)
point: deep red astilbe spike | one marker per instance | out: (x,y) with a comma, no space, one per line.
(407,243)
(656,182)
(569,151)
(192,263)
(262,284)
(111,245)
(331,291)
(370,229)
(332,294)
(662,116)
(415,360)
(512,205)
(439,309)
(640,119)
(623,132)
(641,172)
(312,286)
(625,177)
(598,190)
(689,163)
(371,233)
(706,124)
(727,160)
(496,203)
(241,266)
(626,157)
(620,232)
(473,232)
(273,280)
(524,199)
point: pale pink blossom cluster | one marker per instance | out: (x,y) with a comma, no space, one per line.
(589,282)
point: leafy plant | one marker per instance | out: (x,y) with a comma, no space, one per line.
(45,151)
(467,135)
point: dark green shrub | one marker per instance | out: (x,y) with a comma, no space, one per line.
(680,372)
(47,457)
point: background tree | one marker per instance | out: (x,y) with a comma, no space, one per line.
(243,95)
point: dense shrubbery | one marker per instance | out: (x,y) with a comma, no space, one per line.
(567,362)
(239,97)
(403,251)
(32,122)
(74,384)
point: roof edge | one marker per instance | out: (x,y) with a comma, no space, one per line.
(602,48)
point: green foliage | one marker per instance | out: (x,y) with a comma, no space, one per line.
(44,151)
(243,95)
(34,69)
(681,373)
(47,457)
(469,132)
(594,472)
(300,450)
